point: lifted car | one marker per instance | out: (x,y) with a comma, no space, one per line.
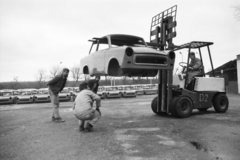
(125,55)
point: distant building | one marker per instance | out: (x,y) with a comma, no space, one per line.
(231,72)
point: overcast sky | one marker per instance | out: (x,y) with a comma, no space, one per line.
(38,34)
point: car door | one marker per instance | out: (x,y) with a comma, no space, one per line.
(98,57)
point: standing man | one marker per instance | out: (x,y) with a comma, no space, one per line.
(83,107)
(94,84)
(55,86)
(195,67)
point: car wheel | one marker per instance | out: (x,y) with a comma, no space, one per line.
(220,103)
(202,109)
(154,107)
(182,107)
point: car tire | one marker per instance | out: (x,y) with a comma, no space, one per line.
(182,107)
(154,107)
(220,103)
(202,109)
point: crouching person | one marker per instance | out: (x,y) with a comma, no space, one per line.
(83,107)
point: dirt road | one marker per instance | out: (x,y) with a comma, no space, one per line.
(128,129)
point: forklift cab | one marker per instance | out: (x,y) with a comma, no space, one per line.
(200,92)
(187,76)
(179,97)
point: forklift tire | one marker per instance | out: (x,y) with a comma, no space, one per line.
(202,109)
(220,103)
(182,107)
(173,103)
(154,107)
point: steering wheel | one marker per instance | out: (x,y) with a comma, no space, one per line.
(183,64)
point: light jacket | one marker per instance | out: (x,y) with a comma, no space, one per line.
(84,101)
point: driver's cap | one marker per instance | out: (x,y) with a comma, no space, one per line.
(192,53)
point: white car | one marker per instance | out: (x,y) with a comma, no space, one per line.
(112,92)
(101,92)
(139,89)
(125,55)
(42,95)
(64,95)
(75,93)
(127,91)
(6,96)
(150,89)
(26,96)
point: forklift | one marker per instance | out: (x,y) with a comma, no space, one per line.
(175,95)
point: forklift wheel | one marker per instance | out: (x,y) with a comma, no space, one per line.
(182,107)
(220,103)
(154,107)
(173,103)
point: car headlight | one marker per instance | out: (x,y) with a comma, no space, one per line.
(171,55)
(129,51)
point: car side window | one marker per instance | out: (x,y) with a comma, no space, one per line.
(103,46)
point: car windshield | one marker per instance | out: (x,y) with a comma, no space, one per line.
(112,89)
(26,93)
(15,92)
(7,93)
(121,40)
(127,88)
(64,91)
(43,92)
(100,89)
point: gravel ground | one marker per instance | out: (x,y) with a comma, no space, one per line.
(127,130)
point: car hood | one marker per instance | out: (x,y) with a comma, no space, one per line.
(142,50)
(129,91)
(63,94)
(148,50)
(42,96)
(113,92)
(24,96)
(2,97)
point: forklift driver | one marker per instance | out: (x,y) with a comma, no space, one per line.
(195,67)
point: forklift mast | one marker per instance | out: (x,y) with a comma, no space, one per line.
(162,31)
(163,28)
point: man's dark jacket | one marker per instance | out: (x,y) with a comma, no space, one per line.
(93,85)
(57,84)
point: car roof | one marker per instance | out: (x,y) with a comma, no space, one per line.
(116,36)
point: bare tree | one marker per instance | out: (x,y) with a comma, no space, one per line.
(236,9)
(54,71)
(75,70)
(41,77)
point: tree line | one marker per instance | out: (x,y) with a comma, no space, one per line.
(75,78)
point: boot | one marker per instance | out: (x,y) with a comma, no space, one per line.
(88,127)
(81,127)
